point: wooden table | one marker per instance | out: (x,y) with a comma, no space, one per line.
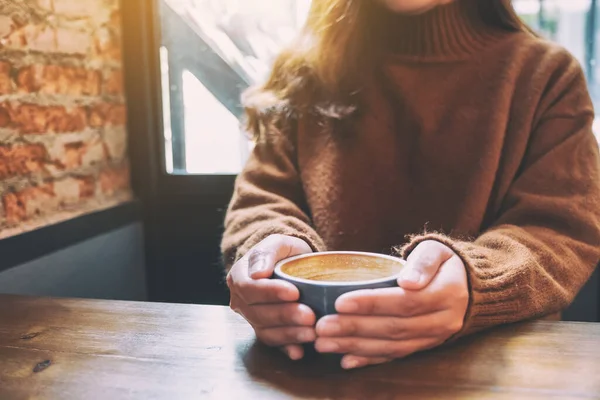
(89,349)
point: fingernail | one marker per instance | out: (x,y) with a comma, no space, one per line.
(288,352)
(349,364)
(411,275)
(327,347)
(294,355)
(347,306)
(307,336)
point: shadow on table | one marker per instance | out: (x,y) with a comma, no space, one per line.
(450,372)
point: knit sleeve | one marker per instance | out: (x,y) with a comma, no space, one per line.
(545,242)
(268,199)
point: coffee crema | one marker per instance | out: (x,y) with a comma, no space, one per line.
(342,267)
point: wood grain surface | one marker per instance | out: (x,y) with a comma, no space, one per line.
(90,349)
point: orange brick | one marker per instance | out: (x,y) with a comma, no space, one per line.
(5,80)
(4,116)
(55,79)
(23,205)
(31,37)
(46,5)
(95,153)
(47,39)
(77,9)
(21,160)
(7,25)
(87,187)
(73,154)
(116,179)
(77,154)
(106,114)
(37,119)
(113,85)
(71,191)
(107,44)
(67,8)
(115,142)
(115,22)
(71,41)
(47,198)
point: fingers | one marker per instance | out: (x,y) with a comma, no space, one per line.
(285,324)
(452,283)
(390,328)
(395,302)
(278,315)
(293,351)
(265,291)
(451,278)
(352,362)
(269,305)
(283,336)
(263,257)
(248,277)
(261,290)
(423,264)
(388,349)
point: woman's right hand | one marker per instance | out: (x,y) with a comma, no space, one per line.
(271,305)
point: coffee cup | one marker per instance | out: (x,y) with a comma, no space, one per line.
(322,278)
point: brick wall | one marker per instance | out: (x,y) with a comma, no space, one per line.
(62,111)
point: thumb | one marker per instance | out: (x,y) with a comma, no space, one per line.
(423,264)
(266,254)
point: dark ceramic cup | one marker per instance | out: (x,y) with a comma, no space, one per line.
(323,277)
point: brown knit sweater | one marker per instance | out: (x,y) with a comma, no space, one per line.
(480,135)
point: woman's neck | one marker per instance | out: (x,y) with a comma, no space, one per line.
(451,31)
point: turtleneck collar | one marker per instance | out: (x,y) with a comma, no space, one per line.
(449,32)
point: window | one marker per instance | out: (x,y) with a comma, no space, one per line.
(214,49)
(211,51)
(574,24)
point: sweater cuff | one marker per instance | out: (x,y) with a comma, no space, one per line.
(490,304)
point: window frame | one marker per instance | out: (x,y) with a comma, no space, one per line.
(182,214)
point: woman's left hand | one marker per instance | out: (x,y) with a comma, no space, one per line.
(377,326)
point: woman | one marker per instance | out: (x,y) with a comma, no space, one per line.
(444,129)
